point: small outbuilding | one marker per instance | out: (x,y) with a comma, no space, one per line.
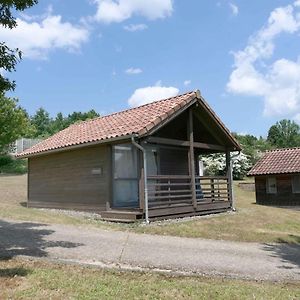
(277,177)
(138,163)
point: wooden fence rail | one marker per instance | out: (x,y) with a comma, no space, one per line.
(174,190)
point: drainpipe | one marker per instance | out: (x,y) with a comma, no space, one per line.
(145,178)
(231,178)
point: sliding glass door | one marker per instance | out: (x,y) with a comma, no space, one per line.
(125,176)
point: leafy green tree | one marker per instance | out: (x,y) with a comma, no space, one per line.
(284,134)
(79,116)
(58,124)
(10,57)
(14,122)
(42,123)
(252,146)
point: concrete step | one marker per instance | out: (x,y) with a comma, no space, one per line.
(118,220)
(121,215)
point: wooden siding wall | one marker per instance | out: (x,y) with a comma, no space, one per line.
(69,179)
(284,195)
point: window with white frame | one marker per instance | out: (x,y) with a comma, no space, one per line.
(296,184)
(271,185)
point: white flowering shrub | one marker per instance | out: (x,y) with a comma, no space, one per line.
(215,164)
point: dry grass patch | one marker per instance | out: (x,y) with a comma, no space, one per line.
(24,279)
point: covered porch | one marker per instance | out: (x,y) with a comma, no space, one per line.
(170,182)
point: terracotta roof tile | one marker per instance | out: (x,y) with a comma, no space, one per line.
(137,120)
(279,161)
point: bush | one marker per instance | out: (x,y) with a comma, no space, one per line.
(5,160)
(9,165)
(215,165)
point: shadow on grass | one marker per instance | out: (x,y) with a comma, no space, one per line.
(289,253)
(13,272)
(27,239)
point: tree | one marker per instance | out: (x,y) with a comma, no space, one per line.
(284,134)
(45,126)
(14,122)
(79,116)
(41,122)
(58,124)
(10,57)
(252,146)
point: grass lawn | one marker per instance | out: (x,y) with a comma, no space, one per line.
(24,279)
(251,222)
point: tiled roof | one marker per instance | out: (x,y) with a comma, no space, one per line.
(121,125)
(137,120)
(279,161)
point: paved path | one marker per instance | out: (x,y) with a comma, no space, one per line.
(130,250)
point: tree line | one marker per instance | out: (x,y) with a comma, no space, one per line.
(283,134)
(15,122)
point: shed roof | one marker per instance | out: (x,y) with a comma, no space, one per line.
(138,121)
(279,161)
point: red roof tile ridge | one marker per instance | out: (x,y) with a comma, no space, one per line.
(133,108)
(282,149)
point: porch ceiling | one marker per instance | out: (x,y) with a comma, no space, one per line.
(207,132)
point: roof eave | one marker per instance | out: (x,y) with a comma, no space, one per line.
(272,173)
(77,146)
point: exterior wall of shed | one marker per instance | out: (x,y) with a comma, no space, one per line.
(284,195)
(71,179)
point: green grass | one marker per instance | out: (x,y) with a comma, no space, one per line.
(22,279)
(251,222)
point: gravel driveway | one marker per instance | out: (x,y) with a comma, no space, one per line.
(84,245)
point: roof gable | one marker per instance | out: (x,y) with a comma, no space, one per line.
(138,121)
(279,161)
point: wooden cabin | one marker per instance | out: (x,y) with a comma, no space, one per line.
(138,163)
(277,177)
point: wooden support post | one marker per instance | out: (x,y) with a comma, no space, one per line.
(192,157)
(141,190)
(212,187)
(141,182)
(229,177)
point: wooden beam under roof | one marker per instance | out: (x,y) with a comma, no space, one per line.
(174,142)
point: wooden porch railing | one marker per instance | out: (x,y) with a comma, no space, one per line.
(174,190)
(212,188)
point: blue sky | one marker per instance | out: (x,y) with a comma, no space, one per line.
(113,54)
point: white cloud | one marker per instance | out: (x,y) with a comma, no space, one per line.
(277,82)
(151,93)
(135,27)
(109,11)
(36,38)
(133,71)
(48,12)
(234,9)
(187,82)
